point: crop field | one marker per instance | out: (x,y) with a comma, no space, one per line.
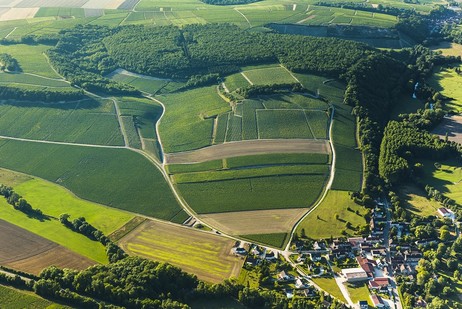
(447,81)
(100,175)
(21,243)
(60,11)
(188,123)
(144,83)
(20,79)
(262,193)
(277,240)
(322,222)
(204,254)
(277,159)
(318,15)
(12,299)
(235,81)
(452,126)
(249,173)
(415,201)
(31,58)
(283,124)
(269,76)
(446,179)
(292,101)
(246,148)
(88,121)
(145,113)
(254,222)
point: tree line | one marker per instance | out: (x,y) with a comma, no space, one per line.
(18,202)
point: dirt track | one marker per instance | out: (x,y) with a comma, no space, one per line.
(453,126)
(25,251)
(245,148)
(255,222)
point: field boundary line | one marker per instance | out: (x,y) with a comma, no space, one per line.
(9,33)
(121,123)
(290,73)
(309,126)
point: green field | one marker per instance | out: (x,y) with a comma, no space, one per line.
(118,178)
(13,299)
(18,79)
(447,81)
(322,222)
(269,76)
(31,58)
(187,123)
(235,81)
(145,113)
(146,84)
(54,200)
(415,201)
(447,179)
(271,192)
(247,173)
(283,124)
(359,292)
(277,240)
(87,122)
(53,230)
(273,159)
(330,286)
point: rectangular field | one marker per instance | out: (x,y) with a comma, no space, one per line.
(269,76)
(204,254)
(88,122)
(19,79)
(263,193)
(283,124)
(13,299)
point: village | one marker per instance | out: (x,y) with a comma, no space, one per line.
(388,256)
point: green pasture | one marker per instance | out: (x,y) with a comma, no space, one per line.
(358,292)
(283,124)
(322,222)
(415,200)
(447,81)
(197,167)
(270,192)
(330,286)
(235,81)
(54,200)
(88,121)
(119,178)
(446,179)
(292,101)
(53,230)
(147,84)
(187,123)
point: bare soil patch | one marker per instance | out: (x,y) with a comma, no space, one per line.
(25,251)
(453,127)
(245,148)
(255,222)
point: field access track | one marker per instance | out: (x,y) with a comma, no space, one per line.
(254,222)
(246,148)
(28,252)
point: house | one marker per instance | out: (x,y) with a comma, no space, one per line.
(283,276)
(315,256)
(355,274)
(271,256)
(240,251)
(412,256)
(377,301)
(355,242)
(299,284)
(379,284)
(366,265)
(446,213)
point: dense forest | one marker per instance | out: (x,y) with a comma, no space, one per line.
(85,53)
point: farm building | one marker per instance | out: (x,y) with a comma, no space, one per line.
(446,213)
(378,301)
(379,284)
(354,274)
